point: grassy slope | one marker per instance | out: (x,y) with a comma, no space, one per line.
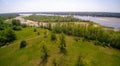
(11,55)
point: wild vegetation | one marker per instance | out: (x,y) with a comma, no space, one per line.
(59,45)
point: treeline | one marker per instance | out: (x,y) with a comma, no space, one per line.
(88,32)
(41,18)
(8,16)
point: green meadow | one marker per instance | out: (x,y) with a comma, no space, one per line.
(91,55)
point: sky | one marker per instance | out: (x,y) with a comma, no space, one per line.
(10,6)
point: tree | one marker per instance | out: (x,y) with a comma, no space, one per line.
(62,44)
(16,22)
(23,44)
(7,36)
(44,55)
(62,40)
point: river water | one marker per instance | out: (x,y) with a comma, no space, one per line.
(105,21)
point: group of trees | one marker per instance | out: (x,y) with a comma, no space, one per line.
(6,36)
(41,18)
(7,33)
(16,25)
(89,32)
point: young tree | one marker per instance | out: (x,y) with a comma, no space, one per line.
(44,55)
(62,40)
(62,44)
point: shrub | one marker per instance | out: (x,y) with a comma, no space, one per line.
(35,30)
(16,22)
(23,44)
(24,25)
(38,33)
(17,28)
(53,37)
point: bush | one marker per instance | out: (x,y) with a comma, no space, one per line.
(53,37)
(16,22)
(17,28)
(38,33)
(35,30)
(23,44)
(24,25)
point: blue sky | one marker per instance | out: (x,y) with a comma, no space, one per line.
(7,6)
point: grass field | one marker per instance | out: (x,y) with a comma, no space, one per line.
(92,55)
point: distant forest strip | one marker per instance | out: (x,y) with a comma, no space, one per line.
(42,18)
(94,14)
(8,16)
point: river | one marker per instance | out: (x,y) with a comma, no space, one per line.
(105,21)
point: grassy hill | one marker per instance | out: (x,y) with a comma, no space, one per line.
(90,54)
